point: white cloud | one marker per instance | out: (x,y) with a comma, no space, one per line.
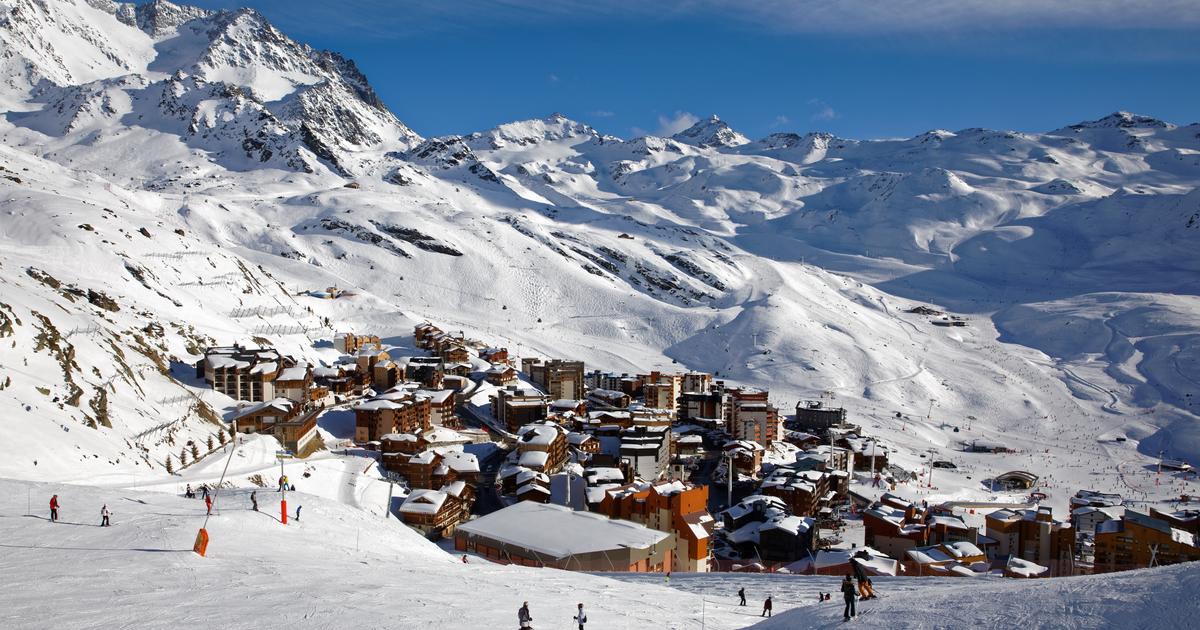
(822,110)
(602,113)
(780,121)
(553,78)
(671,125)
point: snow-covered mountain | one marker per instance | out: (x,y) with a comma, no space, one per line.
(172,177)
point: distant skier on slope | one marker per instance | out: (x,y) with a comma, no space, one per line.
(254,500)
(742,595)
(298,511)
(204,490)
(580,618)
(766,607)
(188,493)
(523,616)
(104,514)
(848,595)
(208,504)
(54,509)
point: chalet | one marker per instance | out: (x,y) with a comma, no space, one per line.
(868,453)
(542,447)
(566,407)
(343,380)
(248,373)
(515,407)
(761,527)
(501,375)
(801,439)
(1033,535)
(433,512)
(296,430)
(1138,540)
(428,371)
(350,343)
(423,333)
(367,357)
(608,399)
(956,559)
(386,374)
(442,403)
(690,445)
(456,354)
(495,356)
(294,383)
(804,492)
(533,534)
(533,491)
(583,442)
(260,418)
(558,378)
(392,412)
(746,456)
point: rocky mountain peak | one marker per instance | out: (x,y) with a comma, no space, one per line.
(711,132)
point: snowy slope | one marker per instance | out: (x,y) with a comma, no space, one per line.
(260,168)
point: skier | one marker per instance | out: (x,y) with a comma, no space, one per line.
(254,500)
(580,618)
(208,504)
(524,617)
(188,493)
(54,509)
(104,514)
(864,588)
(742,595)
(848,594)
(281,482)
(204,490)
(464,558)
(298,511)
(766,607)
(667,579)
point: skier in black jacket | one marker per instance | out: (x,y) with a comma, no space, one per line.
(848,594)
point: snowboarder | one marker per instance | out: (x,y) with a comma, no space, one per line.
(580,618)
(848,594)
(188,493)
(104,514)
(766,607)
(54,509)
(524,617)
(254,500)
(298,511)
(742,595)
(667,579)
(208,504)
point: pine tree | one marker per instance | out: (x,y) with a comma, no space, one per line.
(183,456)
(170,467)
(195,451)
(210,443)
(221,438)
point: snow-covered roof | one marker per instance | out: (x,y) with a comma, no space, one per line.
(538,434)
(1024,568)
(297,373)
(534,459)
(558,532)
(459,461)
(281,405)
(436,396)
(265,367)
(424,502)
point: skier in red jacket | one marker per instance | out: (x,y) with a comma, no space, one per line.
(54,508)
(208,503)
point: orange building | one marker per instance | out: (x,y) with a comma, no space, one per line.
(674,507)
(1134,540)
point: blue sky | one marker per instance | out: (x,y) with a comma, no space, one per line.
(857,68)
